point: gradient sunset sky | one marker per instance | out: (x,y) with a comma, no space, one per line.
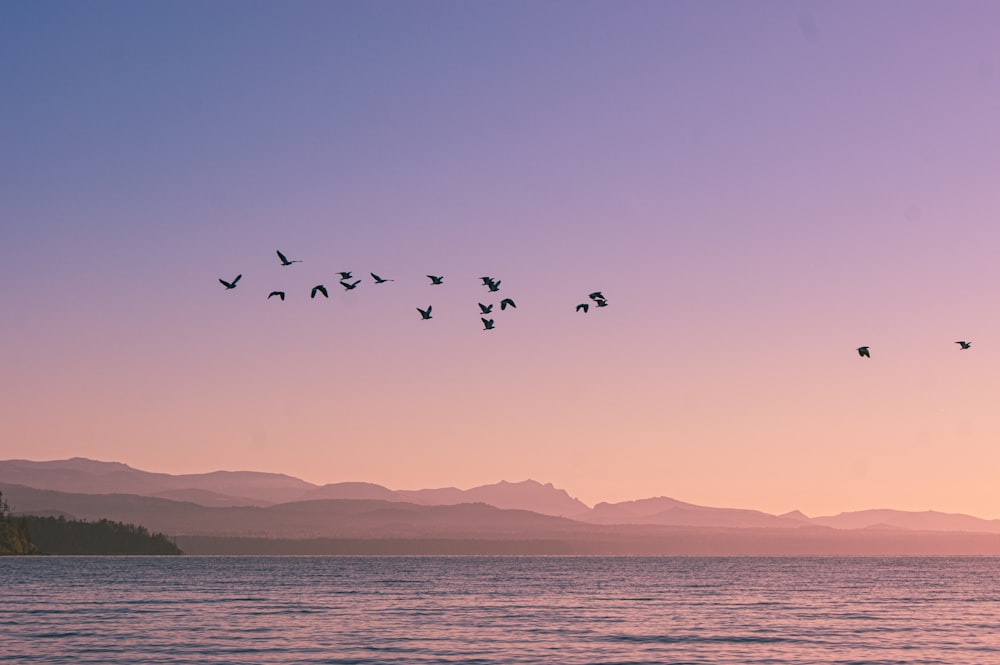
(756,187)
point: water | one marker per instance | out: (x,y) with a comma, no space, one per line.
(131,610)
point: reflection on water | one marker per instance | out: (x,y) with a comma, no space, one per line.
(499,610)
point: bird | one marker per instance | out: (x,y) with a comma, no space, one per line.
(232,284)
(596,295)
(964,345)
(425,313)
(494,286)
(863,352)
(487,323)
(379,280)
(280,294)
(349,286)
(584,306)
(345,275)
(505,302)
(435,279)
(319,288)
(485,309)
(486,280)
(601,303)
(285,261)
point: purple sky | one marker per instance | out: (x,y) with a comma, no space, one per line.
(757,188)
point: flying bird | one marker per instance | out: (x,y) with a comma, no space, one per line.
(505,302)
(285,261)
(379,280)
(494,286)
(584,306)
(596,295)
(485,309)
(232,284)
(601,303)
(345,275)
(347,286)
(964,345)
(486,280)
(425,313)
(280,294)
(863,352)
(487,324)
(435,279)
(319,288)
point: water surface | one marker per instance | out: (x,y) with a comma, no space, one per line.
(131,610)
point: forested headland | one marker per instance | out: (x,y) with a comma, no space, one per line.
(32,534)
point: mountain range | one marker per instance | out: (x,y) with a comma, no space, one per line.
(231,505)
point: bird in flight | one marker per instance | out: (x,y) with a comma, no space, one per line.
(485,309)
(596,295)
(319,288)
(345,275)
(505,302)
(379,280)
(347,286)
(280,294)
(435,279)
(584,306)
(493,284)
(601,303)
(285,261)
(863,352)
(425,313)
(487,324)
(232,284)
(964,345)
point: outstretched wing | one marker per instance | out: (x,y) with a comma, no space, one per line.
(281,256)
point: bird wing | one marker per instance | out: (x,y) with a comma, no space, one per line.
(282,257)
(238,277)
(225,283)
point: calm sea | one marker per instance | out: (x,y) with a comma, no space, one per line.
(499,610)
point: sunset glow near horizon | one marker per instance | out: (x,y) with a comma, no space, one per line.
(757,189)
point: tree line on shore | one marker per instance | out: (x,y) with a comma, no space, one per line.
(32,534)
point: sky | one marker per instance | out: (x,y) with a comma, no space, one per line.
(757,189)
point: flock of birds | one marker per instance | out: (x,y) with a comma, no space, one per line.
(345,280)
(493,285)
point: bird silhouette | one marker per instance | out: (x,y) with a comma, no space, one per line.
(505,302)
(601,303)
(379,280)
(280,294)
(863,352)
(285,261)
(584,306)
(345,275)
(596,295)
(349,287)
(964,345)
(486,280)
(494,286)
(319,288)
(425,313)
(232,284)
(485,309)
(487,324)
(435,279)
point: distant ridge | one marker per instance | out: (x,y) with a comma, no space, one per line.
(230,489)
